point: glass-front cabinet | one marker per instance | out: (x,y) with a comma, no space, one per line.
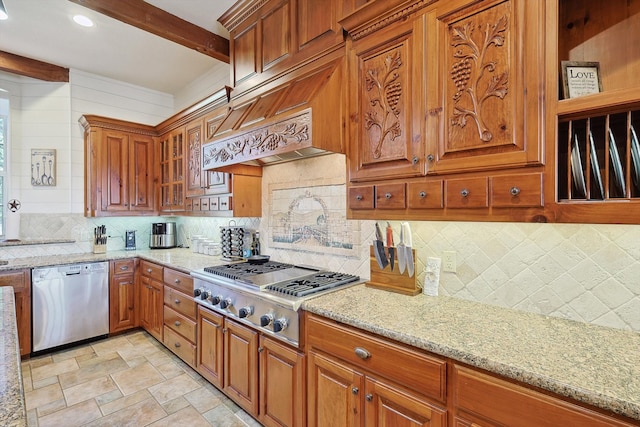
(172,171)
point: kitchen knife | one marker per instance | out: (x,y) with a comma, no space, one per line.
(390,248)
(378,249)
(409,249)
(400,250)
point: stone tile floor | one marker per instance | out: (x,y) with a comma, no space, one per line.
(127,380)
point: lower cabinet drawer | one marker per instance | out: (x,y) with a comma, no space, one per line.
(182,303)
(178,344)
(416,370)
(179,323)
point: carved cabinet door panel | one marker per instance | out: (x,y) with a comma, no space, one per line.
(387,92)
(195,180)
(484,98)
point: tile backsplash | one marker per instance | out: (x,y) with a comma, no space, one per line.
(584,272)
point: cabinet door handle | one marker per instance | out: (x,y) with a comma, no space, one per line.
(260,349)
(354,390)
(430,157)
(514,191)
(415,160)
(369,397)
(362,353)
(464,192)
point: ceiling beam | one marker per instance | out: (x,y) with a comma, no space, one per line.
(145,16)
(16,64)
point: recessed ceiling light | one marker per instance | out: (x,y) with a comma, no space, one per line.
(83,20)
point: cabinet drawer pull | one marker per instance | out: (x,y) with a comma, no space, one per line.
(149,270)
(177,323)
(464,192)
(369,397)
(362,353)
(355,390)
(422,194)
(176,281)
(177,344)
(177,301)
(358,197)
(387,196)
(124,268)
(514,191)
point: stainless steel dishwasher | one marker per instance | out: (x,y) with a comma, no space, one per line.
(70,304)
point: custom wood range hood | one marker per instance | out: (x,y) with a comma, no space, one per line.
(298,115)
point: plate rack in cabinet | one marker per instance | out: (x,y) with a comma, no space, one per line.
(596,155)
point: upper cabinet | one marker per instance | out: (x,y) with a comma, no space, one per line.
(446,110)
(596,152)
(119,167)
(172,166)
(484,105)
(268,37)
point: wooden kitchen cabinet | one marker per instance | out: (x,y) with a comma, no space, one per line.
(179,315)
(20,280)
(485,76)
(122,295)
(282,384)
(241,365)
(119,167)
(595,154)
(150,299)
(385,102)
(210,346)
(280,34)
(172,171)
(350,381)
(475,395)
(438,135)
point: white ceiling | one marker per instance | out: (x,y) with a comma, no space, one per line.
(44,30)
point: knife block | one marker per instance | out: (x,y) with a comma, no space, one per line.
(392,280)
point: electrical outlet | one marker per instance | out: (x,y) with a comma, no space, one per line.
(449,261)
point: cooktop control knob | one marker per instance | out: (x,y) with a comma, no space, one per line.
(216,299)
(266,320)
(245,312)
(197,292)
(280,325)
(226,303)
(204,294)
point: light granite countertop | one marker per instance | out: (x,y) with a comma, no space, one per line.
(593,364)
(13,412)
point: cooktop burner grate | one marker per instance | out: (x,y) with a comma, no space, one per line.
(313,283)
(243,269)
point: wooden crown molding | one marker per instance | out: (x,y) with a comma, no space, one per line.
(239,12)
(33,68)
(147,17)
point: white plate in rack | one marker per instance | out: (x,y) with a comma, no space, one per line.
(635,156)
(576,168)
(595,166)
(617,166)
